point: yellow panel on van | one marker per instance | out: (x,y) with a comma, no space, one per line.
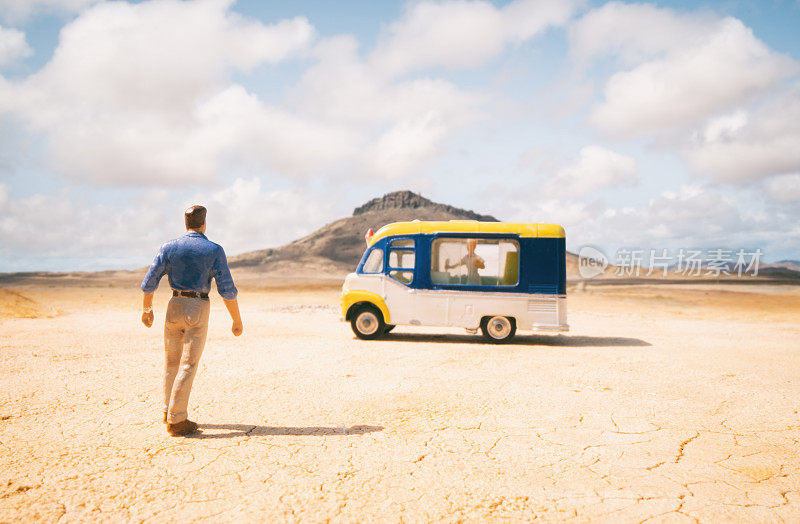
(522,229)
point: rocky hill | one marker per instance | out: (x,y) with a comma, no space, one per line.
(410,201)
(791,265)
(342,242)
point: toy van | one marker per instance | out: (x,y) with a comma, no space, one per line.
(494,276)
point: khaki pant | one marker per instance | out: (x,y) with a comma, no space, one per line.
(185,332)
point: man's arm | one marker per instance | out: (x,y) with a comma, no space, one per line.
(228,291)
(448,265)
(157,270)
(233,309)
(147,309)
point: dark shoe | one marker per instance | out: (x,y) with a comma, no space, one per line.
(181,428)
(165,417)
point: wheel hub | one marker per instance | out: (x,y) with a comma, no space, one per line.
(499,327)
(367,323)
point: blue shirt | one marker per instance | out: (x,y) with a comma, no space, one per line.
(191,261)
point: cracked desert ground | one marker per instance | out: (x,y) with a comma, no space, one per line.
(663,404)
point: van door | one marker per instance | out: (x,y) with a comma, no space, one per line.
(398,291)
(407,302)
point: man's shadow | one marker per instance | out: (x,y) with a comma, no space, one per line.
(519,340)
(245,430)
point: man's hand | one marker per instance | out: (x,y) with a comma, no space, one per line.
(147,305)
(233,309)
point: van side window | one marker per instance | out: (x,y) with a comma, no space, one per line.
(474,262)
(374,262)
(403,276)
(403,242)
(401,260)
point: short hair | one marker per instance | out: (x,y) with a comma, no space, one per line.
(195,217)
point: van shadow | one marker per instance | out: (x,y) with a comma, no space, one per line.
(250,430)
(519,340)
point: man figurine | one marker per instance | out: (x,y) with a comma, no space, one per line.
(190,262)
(472,261)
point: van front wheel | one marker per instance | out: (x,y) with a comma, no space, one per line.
(498,330)
(367,323)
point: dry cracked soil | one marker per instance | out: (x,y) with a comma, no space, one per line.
(660,405)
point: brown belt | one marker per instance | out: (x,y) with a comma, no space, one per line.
(190,294)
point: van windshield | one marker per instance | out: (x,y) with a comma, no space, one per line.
(474,262)
(374,262)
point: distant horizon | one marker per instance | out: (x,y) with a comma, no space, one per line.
(97,266)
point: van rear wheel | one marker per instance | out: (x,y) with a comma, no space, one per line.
(367,323)
(498,330)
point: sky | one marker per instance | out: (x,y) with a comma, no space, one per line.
(634,125)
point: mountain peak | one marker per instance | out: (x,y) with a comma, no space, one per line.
(394,200)
(342,241)
(411,200)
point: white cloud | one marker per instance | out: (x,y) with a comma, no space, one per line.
(170,113)
(571,195)
(703,85)
(692,212)
(568,213)
(161,55)
(245,216)
(597,168)
(4,192)
(784,189)
(724,127)
(687,68)
(237,122)
(62,225)
(691,84)
(400,123)
(56,231)
(694,216)
(20,10)
(459,34)
(690,216)
(405,145)
(742,147)
(124,98)
(635,32)
(342,87)
(13,46)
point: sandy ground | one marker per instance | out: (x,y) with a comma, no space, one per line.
(663,403)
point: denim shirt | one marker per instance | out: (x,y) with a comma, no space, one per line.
(190,262)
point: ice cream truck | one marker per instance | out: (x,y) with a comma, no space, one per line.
(494,276)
